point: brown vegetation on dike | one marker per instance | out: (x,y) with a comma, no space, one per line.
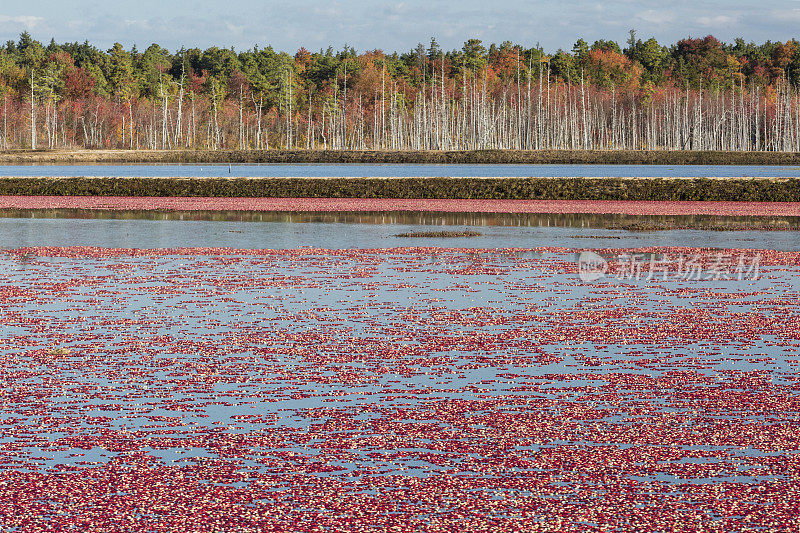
(620,157)
(462,188)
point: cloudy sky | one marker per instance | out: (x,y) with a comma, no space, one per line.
(287,25)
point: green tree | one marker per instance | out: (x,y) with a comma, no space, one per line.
(474,55)
(606,46)
(580,50)
(652,56)
(563,65)
(149,71)
(30,52)
(120,75)
(434,50)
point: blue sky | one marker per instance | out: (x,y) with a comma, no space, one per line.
(394,25)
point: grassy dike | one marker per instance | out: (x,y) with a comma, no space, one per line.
(619,157)
(577,188)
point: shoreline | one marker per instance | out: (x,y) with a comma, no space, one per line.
(614,157)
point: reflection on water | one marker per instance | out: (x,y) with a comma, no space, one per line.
(432,218)
(379,230)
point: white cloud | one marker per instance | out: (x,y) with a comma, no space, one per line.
(333,11)
(719,20)
(28,21)
(655,16)
(139,25)
(236,29)
(786,15)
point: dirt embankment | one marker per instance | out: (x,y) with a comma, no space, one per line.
(369,156)
(560,188)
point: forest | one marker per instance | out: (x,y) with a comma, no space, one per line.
(697,94)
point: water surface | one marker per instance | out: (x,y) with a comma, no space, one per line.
(293,232)
(398,170)
(426,383)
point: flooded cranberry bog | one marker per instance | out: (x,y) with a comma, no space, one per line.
(319,372)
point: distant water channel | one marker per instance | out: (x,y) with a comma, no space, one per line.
(400,170)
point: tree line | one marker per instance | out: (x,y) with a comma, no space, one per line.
(696,94)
